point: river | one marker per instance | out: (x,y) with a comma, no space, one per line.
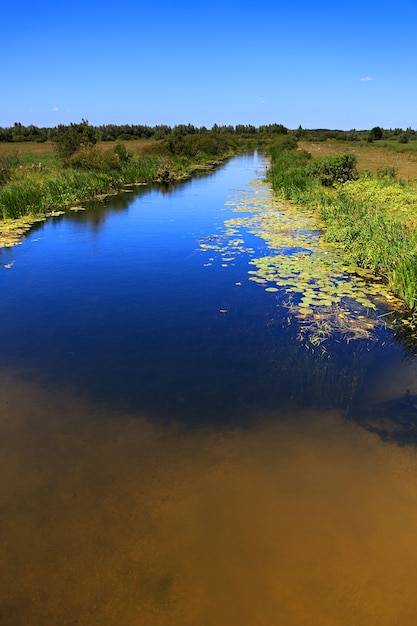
(178,444)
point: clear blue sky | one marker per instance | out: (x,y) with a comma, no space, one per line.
(321,64)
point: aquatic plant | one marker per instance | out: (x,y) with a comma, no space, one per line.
(324,294)
(373,219)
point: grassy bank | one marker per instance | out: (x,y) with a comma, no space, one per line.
(373,217)
(36,181)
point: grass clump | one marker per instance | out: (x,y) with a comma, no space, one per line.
(288,173)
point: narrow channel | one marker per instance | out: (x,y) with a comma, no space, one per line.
(177,445)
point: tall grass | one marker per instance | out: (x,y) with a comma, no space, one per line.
(19,200)
(288,173)
(32,191)
(410,147)
(374,237)
(374,219)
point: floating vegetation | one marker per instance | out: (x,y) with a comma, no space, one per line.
(326,296)
(12,231)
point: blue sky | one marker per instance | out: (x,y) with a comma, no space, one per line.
(320,64)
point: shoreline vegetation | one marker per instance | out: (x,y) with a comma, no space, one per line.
(362,185)
(370,216)
(43,179)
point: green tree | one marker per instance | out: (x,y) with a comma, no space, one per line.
(69,139)
(375,134)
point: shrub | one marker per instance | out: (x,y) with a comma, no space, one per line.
(99,160)
(375,134)
(353,135)
(123,155)
(334,169)
(284,142)
(69,139)
(212,144)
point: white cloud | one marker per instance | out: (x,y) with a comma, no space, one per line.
(366,79)
(54,109)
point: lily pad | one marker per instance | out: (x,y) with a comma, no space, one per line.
(327,296)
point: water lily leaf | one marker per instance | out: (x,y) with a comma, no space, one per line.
(336,297)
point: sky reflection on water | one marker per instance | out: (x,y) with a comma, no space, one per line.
(118,303)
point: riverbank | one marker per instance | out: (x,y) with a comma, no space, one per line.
(372,217)
(37,185)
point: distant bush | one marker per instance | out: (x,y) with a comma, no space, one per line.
(375,134)
(334,169)
(209,143)
(100,160)
(70,139)
(353,135)
(403,138)
(284,142)
(122,153)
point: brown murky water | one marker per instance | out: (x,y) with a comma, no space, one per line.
(109,520)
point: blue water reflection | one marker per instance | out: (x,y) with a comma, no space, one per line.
(117,302)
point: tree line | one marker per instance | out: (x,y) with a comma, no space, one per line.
(125,132)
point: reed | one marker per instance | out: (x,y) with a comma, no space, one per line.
(19,200)
(374,238)
(372,219)
(32,191)
(289,173)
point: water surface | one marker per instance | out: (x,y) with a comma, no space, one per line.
(171,453)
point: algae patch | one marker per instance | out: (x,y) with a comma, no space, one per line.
(325,295)
(12,231)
